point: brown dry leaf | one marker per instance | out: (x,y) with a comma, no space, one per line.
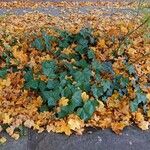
(29,123)
(19,107)
(15,136)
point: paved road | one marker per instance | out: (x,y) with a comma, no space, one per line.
(131,139)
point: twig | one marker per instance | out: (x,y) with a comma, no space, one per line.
(129,33)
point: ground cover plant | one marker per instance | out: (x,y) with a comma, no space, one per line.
(62,75)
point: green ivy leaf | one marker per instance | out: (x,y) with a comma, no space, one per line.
(42,85)
(107,67)
(140,98)
(96,66)
(76,100)
(51,97)
(86,112)
(38,44)
(32,84)
(52,84)
(80,49)
(65,110)
(106,85)
(44,108)
(97,91)
(82,63)
(91,54)
(49,68)
(3,72)
(47,40)
(28,74)
(131,69)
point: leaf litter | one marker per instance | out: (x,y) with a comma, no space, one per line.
(62,75)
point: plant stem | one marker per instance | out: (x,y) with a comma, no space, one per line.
(129,33)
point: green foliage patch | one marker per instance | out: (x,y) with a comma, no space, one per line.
(67,78)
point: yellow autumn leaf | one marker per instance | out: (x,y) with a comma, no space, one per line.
(7,119)
(148,96)
(101,43)
(19,54)
(85,96)
(131,51)
(124,29)
(63,101)
(139,117)
(10,130)
(29,123)
(75,123)
(3,140)
(1,129)
(15,136)
(144,125)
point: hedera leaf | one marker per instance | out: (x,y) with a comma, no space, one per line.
(91,54)
(82,63)
(131,69)
(42,85)
(65,110)
(76,100)
(51,97)
(49,68)
(44,108)
(32,84)
(80,49)
(3,72)
(38,44)
(97,91)
(97,66)
(82,76)
(106,85)
(47,40)
(52,84)
(7,55)
(124,81)
(87,110)
(83,42)
(28,74)
(140,98)
(107,67)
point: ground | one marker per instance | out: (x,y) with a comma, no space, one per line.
(131,139)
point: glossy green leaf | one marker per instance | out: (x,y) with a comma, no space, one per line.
(3,72)
(86,112)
